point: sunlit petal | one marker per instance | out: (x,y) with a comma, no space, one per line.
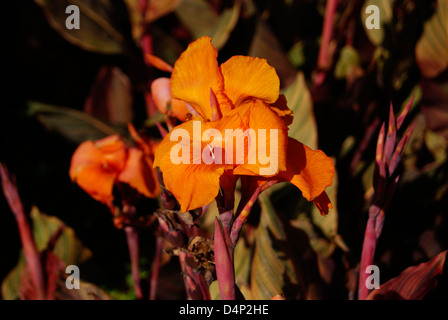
(249,77)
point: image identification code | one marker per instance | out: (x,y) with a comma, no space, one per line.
(238,309)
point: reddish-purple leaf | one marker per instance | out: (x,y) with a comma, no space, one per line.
(391,137)
(414,283)
(400,149)
(379,177)
(404,113)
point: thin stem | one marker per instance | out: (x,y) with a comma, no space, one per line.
(31,253)
(323,60)
(134,254)
(155,269)
(244,214)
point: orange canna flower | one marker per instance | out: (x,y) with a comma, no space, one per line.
(240,97)
(96,166)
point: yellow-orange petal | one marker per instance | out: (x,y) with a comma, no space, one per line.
(192,185)
(249,77)
(178,109)
(97,183)
(270,137)
(163,150)
(114,152)
(195,72)
(309,170)
(87,169)
(139,174)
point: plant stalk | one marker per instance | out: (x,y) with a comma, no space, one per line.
(132,239)
(31,253)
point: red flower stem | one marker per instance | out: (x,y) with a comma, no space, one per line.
(244,214)
(155,269)
(368,252)
(31,253)
(204,288)
(225,272)
(134,254)
(242,217)
(323,60)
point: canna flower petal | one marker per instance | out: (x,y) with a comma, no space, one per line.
(161,94)
(192,180)
(95,166)
(192,185)
(249,77)
(96,182)
(202,186)
(270,137)
(139,174)
(114,152)
(195,72)
(311,171)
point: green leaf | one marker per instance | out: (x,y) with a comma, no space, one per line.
(266,45)
(328,225)
(226,23)
(67,248)
(98,25)
(303,127)
(11,283)
(376,36)
(348,59)
(431,50)
(74,125)
(283,262)
(201,20)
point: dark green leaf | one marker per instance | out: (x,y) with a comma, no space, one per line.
(98,31)
(74,125)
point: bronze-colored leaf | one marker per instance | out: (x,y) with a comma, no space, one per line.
(414,283)
(431,50)
(110,98)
